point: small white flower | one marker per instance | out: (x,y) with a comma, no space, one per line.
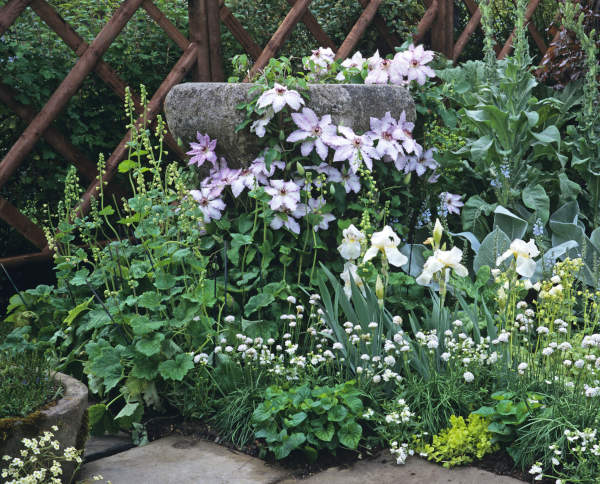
(468,376)
(229,319)
(291,299)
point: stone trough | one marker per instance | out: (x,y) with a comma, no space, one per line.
(210,108)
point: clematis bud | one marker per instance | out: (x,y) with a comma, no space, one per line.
(300,168)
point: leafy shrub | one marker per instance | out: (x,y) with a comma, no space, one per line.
(309,419)
(462,442)
(26,383)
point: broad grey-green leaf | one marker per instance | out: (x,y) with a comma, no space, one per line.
(494,245)
(549,135)
(514,227)
(537,200)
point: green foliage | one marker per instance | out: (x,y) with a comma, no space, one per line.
(462,442)
(310,419)
(508,414)
(26,383)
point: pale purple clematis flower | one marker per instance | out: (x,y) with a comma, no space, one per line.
(354,148)
(259,127)
(285,195)
(403,132)
(202,151)
(210,205)
(260,172)
(387,134)
(333,174)
(321,59)
(357,61)
(382,70)
(221,175)
(313,132)
(245,179)
(315,205)
(433,178)
(450,203)
(285,219)
(278,97)
(402,163)
(421,163)
(416,59)
(351,181)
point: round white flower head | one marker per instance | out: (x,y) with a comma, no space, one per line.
(229,319)
(523,252)
(468,376)
(443,260)
(387,242)
(350,246)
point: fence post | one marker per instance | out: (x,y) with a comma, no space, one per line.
(442,31)
(214,40)
(198,23)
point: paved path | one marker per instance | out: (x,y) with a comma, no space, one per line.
(181,460)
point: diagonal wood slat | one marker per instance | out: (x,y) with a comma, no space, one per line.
(390,39)
(426,22)
(66,89)
(278,38)
(358,30)
(312,24)
(183,65)
(10,12)
(22,224)
(238,31)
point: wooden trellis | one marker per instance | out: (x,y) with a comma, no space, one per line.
(201,55)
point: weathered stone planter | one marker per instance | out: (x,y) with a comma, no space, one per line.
(210,107)
(69,415)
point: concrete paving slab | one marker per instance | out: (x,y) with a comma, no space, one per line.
(98,447)
(384,470)
(181,460)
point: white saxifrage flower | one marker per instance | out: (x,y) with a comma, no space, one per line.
(278,97)
(442,261)
(350,247)
(386,242)
(523,252)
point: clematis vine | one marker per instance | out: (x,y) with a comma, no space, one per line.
(245,179)
(280,96)
(354,148)
(416,59)
(523,253)
(209,202)
(420,164)
(202,151)
(387,134)
(285,195)
(259,169)
(382,70)
(357,61)
(387,243)
(351,245)
(314,206)
(313,132)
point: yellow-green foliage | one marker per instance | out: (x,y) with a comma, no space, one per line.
(462,443)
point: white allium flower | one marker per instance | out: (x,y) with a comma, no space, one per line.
(445,356)
(337,346)
(468,376)
(547,351)
(390,360)
(373,325)
(229,319)
(522,367)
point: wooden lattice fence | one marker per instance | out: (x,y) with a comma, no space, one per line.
(201,55)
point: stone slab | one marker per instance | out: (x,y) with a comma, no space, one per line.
(384,470)
(210,108)
(98,447)
(180,460)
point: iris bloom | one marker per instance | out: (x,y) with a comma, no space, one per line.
(313,132)
(386,242)
(351,243)
(523,252)
(202,151)
(278,97)
(350,271)
(442,261)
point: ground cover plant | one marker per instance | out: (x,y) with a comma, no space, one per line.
(352,290)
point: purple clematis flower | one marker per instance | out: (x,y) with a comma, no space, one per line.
(203,150)
(382,70)
(315,205)
(245,179)
(419,164)
(313,132)
(285,195)
(387,134)
(221,176)
(403,132)
(285,219)
(351,181)
(416,59)
(357,61)
(354,148)
(451,203)
(210,205)
(278,97)
(260,172)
